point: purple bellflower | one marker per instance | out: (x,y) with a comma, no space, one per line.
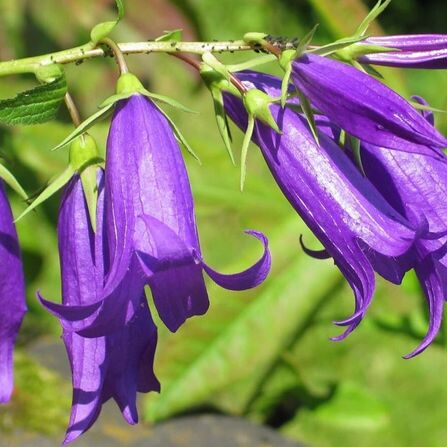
(113,366)
(412,51)
(12,295)
(151,229)
(364,107)
(416,186)
(357,227)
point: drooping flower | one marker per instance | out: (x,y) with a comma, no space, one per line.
(12,295)
(151,227)
(116,365)
(364,107)
(416,186)
(357,227)
(412,51)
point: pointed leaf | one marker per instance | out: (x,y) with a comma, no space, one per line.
(85,125)
(10,180)
(34,106)
(51,189)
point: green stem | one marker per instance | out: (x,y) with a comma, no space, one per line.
(88,51)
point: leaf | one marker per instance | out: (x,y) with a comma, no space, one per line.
(252,340)
(175,35)
(10,180)
(51,189)
(34,106)
(84,126)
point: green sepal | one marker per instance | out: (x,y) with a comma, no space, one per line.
(11,181)
(222,121)
(309,114)
(215,64)
(285,85)
(419,106)
(216,80)
(354,51)
(255,62)
(377,9)
(90,187)
(305,41)
(102,30)
(128,83)
(357,152)
(34,106)
(174,35)
(257,105)
(244,150)
(85,125)
(83,152)
(178,134)
(51,189)
(339,46)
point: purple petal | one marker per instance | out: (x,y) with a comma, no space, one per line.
(249,278)
(365,107)
(174,275)
(317,254)
(413,51)
(433,278)
(343,209)
(12,295)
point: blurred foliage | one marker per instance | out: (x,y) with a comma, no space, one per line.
(264,353)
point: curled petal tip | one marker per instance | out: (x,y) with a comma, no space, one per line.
(317,254)
(249,278)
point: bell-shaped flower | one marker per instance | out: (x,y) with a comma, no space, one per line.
(357,227)
(364,107)
(12,295)
(410,51)
(416,186)
(119,364)
(151,227)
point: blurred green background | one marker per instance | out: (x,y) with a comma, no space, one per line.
(263,354)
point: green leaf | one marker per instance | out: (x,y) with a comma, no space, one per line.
(90,187)
(34,106)
(10,180)
(175,35)
(85,125)
(51,189)
(120,6)
(244,150)
(378,8)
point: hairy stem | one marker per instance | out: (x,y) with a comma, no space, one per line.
(88,51)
